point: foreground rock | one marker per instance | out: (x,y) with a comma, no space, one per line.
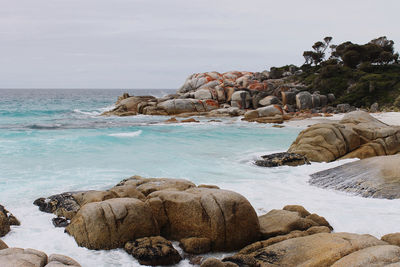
(203,218)
(321,249)
(290,218)
(377,177)
(153,251)
(13,257)
(357,135)
(6,220)
(280,159)
(224,217)
(111,223)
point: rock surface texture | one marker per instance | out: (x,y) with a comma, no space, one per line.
(280,159)
(357,135)
(377,177)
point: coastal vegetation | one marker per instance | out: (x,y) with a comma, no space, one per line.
(358,74)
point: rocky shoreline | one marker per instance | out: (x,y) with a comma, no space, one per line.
(143,216)
(258,96)
(147,217)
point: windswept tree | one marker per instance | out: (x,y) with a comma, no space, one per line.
(318,55)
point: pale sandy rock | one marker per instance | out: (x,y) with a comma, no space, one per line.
(393,239)
(57,260)
(377,177)
(13,257)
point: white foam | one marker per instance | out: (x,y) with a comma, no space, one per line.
(130,134)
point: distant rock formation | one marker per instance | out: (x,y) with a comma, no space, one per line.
(212,93)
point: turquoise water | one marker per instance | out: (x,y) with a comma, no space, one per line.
(53,141)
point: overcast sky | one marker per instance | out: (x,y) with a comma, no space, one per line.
(157,44)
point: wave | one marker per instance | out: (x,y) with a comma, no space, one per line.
(89,113)
(130,134)
(44,126)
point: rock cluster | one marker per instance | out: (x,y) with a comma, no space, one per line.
(6,220)
(298,238)
(12,257)
(223,94)
(357,135)
(377,177)
(204,218)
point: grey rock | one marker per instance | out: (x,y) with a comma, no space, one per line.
(304,100)
(280,159)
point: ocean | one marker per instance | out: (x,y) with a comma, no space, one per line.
(53,141)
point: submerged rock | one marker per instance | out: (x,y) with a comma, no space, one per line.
(377,177)
(6,220)
(153,251)
(280,159)
(357,135)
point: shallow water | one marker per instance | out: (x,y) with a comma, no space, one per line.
(54,141)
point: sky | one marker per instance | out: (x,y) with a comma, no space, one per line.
(157,44)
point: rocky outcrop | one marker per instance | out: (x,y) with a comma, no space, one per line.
(111,223)
(128,105)
(320,249)
(280,159)
(224,217)
(153,251)
(12,257)
(6,220)
(377,177)
(177,106)
(202,218)
(357,135)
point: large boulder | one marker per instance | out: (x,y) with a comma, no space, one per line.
(291,218)
(6,220)
(18,257)
(241,99)
(288,98)
(203,94)
(304,100)
(321,249)
(357,135)
(129,105)
(177,106)
(269,111)
(153,251)
(224,217)
(268,100)
(111,223)
(377,177)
